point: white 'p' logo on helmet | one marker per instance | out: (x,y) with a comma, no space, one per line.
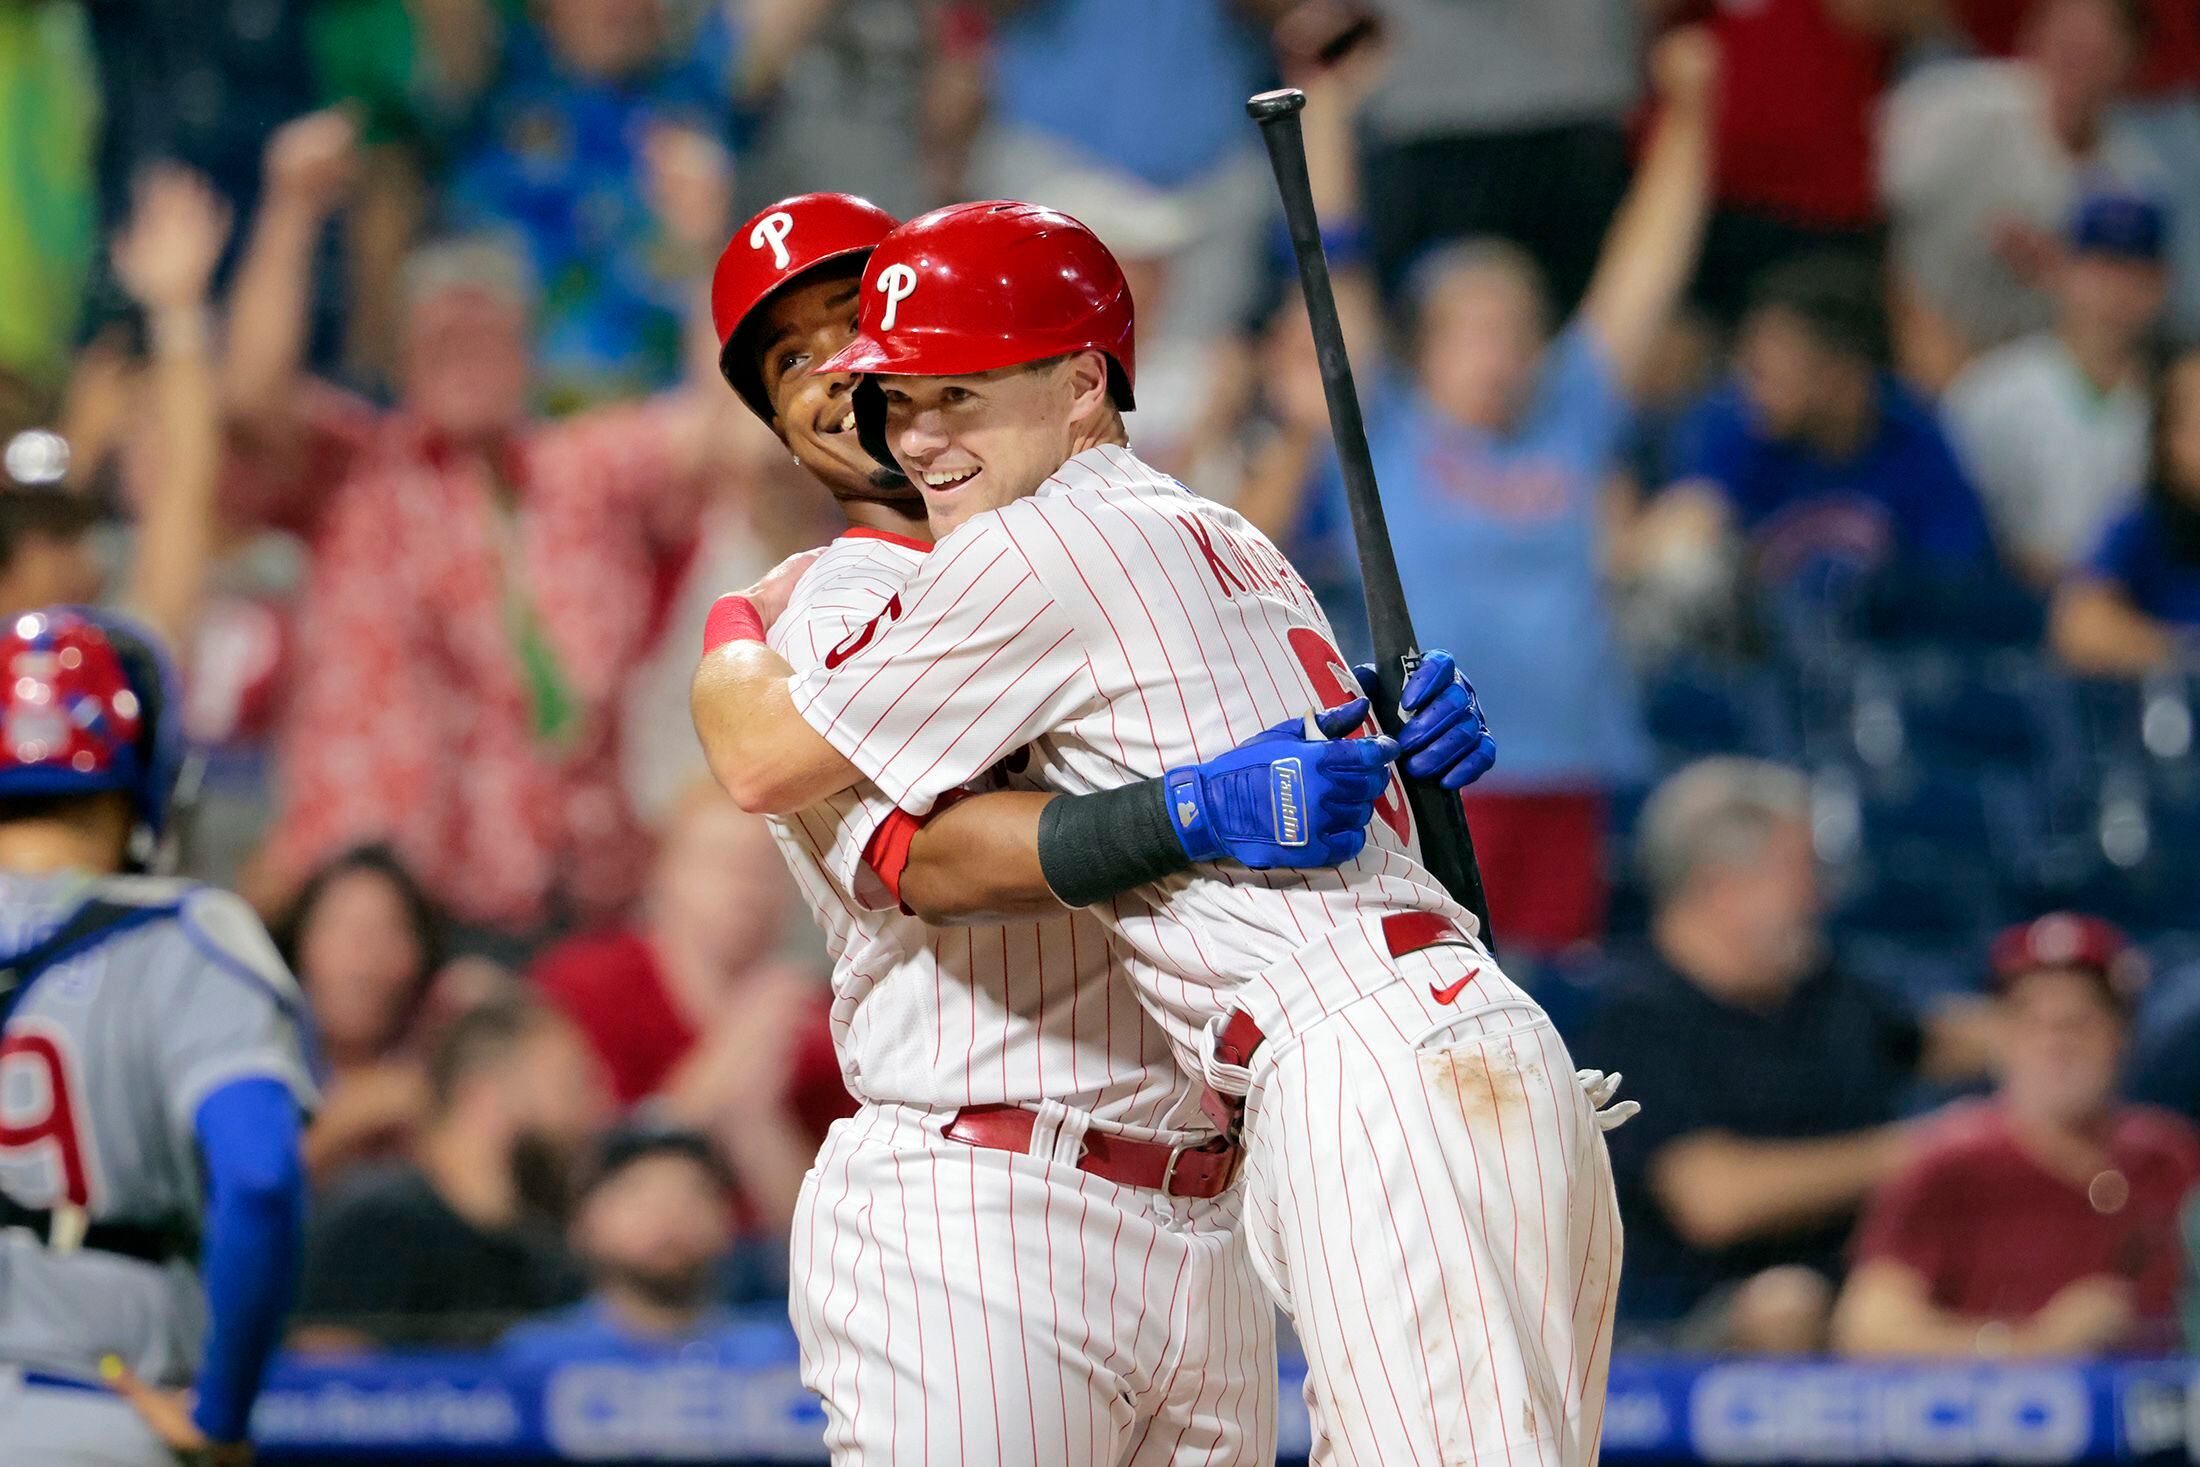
(897,283)
(772,231)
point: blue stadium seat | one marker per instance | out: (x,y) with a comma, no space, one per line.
(1975,612)
(1919,972)
(1696,707)
(1959,709)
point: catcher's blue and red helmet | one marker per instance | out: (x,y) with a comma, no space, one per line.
(87,703)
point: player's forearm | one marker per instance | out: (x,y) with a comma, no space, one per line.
(978,861)
(1015,853)
(758,746)
(1718,1190)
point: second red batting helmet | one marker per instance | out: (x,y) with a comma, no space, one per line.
(779,246)
(977,287)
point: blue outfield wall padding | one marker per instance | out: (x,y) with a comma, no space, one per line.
(749,1406)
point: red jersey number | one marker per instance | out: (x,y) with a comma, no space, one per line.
(1333,684)
(860,638)
(35,1075)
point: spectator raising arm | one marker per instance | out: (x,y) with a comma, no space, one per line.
(165,258)
(773,33)
(309,165)
(1651,250)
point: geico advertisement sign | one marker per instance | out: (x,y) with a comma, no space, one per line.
(1917,1413)
(679,1412)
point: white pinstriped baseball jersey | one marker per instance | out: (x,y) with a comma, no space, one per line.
(1426,1192)
(946,1017)
(1120,625)
(935,1286)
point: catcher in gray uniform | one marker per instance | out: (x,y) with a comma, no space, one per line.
(153,1081)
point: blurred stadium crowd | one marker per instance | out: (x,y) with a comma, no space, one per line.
(1789,410)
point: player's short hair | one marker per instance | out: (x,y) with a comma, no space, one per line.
(481,1038)
(1716,812)
(1840,298)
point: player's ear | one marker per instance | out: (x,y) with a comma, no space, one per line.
(1085,373)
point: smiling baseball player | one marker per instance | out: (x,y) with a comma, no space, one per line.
(153,1081)
(1024,1248)
(1427,1192)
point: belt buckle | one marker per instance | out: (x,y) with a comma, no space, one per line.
(1223,1146)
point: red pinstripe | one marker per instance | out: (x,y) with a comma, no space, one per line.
(1443,1275)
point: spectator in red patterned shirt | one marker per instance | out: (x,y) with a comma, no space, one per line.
(695,1007)
(2043,1222)
(480,582)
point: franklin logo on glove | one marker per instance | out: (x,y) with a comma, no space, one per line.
(1290,783)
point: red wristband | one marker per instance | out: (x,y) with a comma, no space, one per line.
(732,619)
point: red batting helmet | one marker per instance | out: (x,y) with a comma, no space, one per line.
(782,244)
(977,287)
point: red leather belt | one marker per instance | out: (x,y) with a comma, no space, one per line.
(1205,1170)
(1403,932)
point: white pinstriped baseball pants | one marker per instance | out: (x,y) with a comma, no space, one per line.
(957,1305)
(1429,1198)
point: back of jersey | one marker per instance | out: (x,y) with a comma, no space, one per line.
(103,1064)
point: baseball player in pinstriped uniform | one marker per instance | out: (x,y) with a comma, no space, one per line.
(153,1082)
(1426,1190)
(1024,1248)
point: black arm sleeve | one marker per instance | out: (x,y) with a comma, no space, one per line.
(1092,847)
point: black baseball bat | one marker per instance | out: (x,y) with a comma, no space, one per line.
(1447,848)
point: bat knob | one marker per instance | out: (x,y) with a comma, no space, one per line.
(1268,106)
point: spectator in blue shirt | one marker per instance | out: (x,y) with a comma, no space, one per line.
(2134,607)
(1495,455)
(1143,100)
(601,141)
(654,1228)
(1813,453)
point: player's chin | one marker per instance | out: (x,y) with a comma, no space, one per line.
(949,507)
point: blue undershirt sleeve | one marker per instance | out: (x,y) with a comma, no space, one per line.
(248,1133)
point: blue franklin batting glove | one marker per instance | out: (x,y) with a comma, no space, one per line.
(1445,739)
(1290,797)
